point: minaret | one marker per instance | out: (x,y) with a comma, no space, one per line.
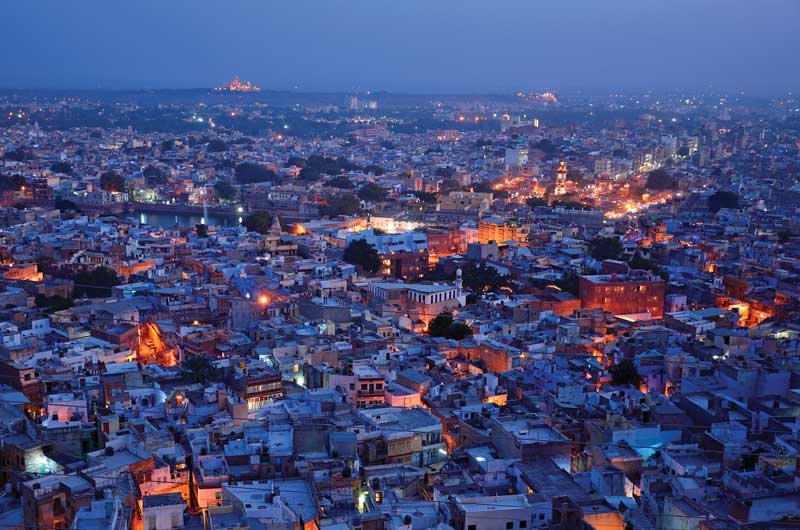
(276,226)
(561,179)
(458,281)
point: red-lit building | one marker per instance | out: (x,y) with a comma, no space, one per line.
(624,294)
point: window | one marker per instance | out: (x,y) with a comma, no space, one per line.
(175,520)
(523,524)
(150,524)
(472,527)
(509,525)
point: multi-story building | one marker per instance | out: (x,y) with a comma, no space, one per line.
(638,294)
(500,230)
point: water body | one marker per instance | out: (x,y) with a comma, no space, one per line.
(168,220)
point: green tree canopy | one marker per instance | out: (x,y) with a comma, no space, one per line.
(533,202)
(372,192)
(113,182)
(361,253)
(258,221)
(199,369)
(341,182)
(216,146)
(603,248)
(250,173)
(336,205)
(54,303)
(11,182)
(95,283)
(444,326)
(61,167)
(625,373)
(723,199)
(660,179)
(225,191)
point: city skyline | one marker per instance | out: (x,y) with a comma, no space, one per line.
(415,47)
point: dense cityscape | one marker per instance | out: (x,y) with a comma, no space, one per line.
(283,310)
(399,266)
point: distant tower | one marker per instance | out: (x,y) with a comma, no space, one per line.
(458,280)
(276,226)
(561,179)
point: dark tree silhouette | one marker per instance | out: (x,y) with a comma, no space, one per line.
(372,192)
(225,191)
(443,326)
(111,181)
(199,369)
(361,253)
(659,179)
(341,182)
(602,248)
(625,373)
(249,173)
(259,221)
(723,199)
(61,167)
(95,283)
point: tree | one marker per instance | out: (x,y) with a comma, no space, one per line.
(625,373)
(216,146)
(448,184)
(375,169)
(199,369)
(64,205)
(111,181)
(638,262)
(61,167)
(259,221)
(340,205)
(341,182)
(569,283)
(425,197)
(11,182)
(547,146)
(443,326)
(372,192)
(603,248)
(361,253)
(659,179)
(250,173)
(723,199)
(201,229)
(54,303)
(225,191)
(533,202)
(95,283)
(483,278)
(482,186)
